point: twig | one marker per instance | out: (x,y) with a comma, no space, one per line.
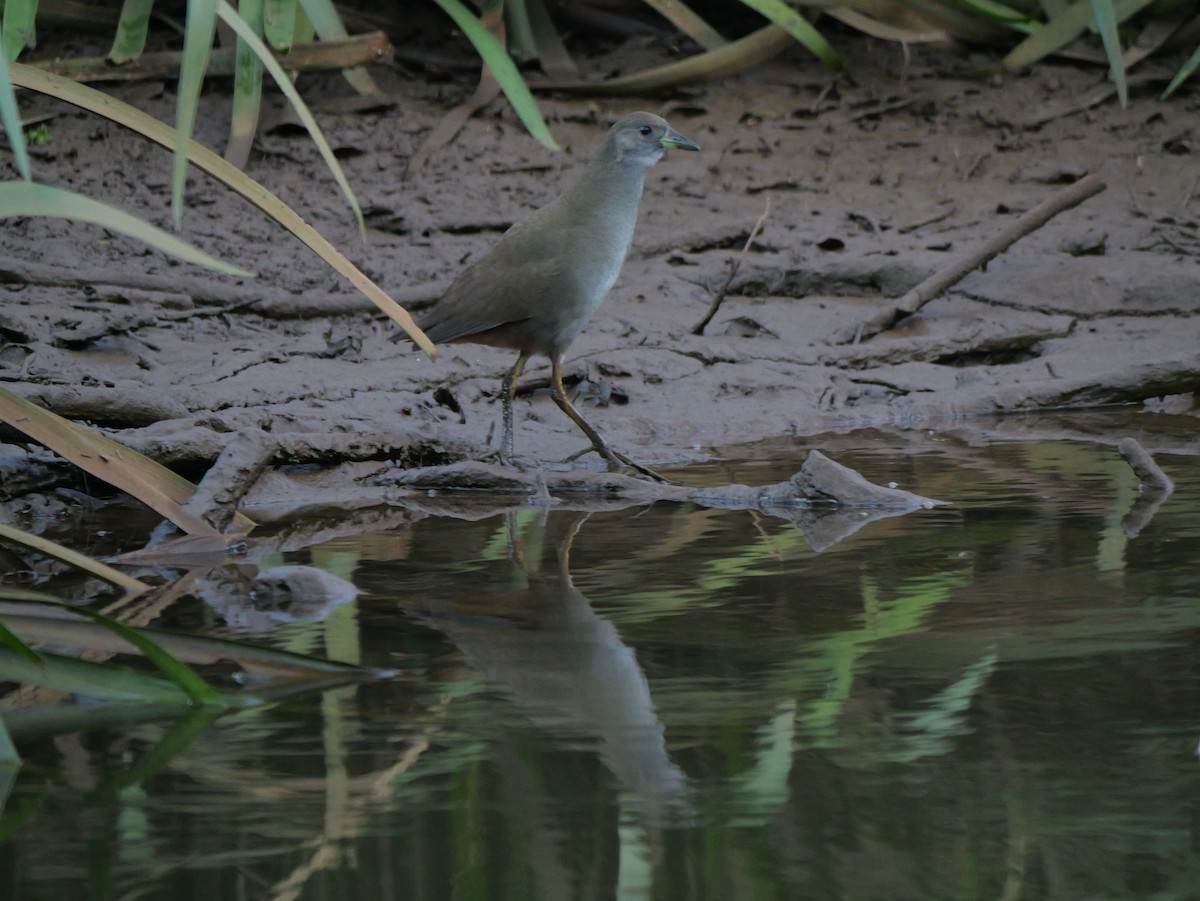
(949,276)
(698,329)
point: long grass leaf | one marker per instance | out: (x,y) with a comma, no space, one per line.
(247,89)
(174,669)
(70,557)
(104,105)
(18,28)
(689,22)
(1063,29)
(279,23)
(556,61)
(130,39)
(24,198)
(84,677)
(124,468)
(735,56)
(244,32)
(328,26)
(197,45)
(182,733)
(9,639)
(517,27)
(1106,21)
(1184,73)
(10,115)
(9,761)
(496,58)
(799,28)
(33,723)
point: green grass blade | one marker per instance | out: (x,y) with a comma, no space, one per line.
(496,58)
(1106,22)
(23,198)
(174,669)
(328,26)
(84,677)
(247,89)
(1062,30)
(13,643)
(689,22)
(244,32)
(18,28)
(518,30)
(9,761)
(279,23)
(1183,74)
(130,39)
(182,733)
(197,45)
(10,115)
(798,27)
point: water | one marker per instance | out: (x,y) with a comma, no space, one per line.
(994,699)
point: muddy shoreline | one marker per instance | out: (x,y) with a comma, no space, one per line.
(873,187)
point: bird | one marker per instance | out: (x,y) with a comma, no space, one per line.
(537,287)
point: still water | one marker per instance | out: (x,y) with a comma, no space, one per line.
(996,699)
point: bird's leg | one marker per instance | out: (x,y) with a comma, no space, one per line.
(507,392)
(559,393)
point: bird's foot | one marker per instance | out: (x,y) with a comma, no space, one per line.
(616,460)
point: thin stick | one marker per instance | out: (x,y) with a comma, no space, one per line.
(698,329)
(941,281)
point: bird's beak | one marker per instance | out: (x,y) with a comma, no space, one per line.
(674,139)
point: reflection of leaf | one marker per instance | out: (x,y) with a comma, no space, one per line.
(928,733)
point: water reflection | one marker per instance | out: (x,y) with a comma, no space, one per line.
(567,669)
(992,700)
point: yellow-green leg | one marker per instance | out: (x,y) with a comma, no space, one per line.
(507,393)
(615,459)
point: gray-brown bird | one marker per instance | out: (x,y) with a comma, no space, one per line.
(541,283)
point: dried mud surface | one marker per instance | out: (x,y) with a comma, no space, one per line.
(873,186)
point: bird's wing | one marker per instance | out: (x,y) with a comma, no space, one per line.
(510,284)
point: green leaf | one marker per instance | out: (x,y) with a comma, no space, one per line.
(1106,21)
(19,31)
(1183,74)
(197,45)
(174,669)
(10,115)
(1061,30)
(279,23)
(130,39)
(328,26)
(798,27)
(246,33)
(496,58)
(247,89)
(9,760)
(10,640)
(25,198)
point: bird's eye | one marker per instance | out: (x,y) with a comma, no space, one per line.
(645,129)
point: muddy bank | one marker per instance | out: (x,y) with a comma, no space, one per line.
(872,186)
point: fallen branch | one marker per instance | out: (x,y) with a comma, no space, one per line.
(344,53)
(1143,465)
(698,328)
(955,272)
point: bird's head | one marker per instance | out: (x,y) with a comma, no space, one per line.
(642,138)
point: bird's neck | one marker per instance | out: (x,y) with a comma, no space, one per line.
(611,183)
